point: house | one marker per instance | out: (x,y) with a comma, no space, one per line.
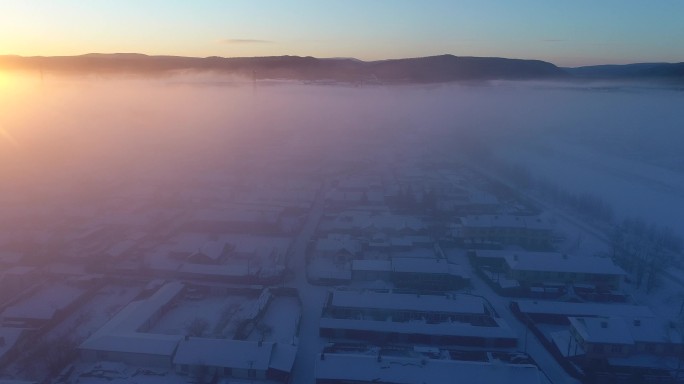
(606,337)
(211,252)
(621,349)
(338,247)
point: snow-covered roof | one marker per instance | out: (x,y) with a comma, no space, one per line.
(408,370)
(237,354)
(122,332)
(605,330)
(558,262)
(211,249)
(283,357)
(619,330)
(133,342)
(408,302)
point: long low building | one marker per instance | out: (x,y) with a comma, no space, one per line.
(430,274)
(557,312)
(385,317)
(338,368)
(123,338)
(531,232)
(554,267)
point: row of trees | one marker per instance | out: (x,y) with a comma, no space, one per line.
(643,249)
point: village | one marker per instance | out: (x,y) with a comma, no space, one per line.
(402,268)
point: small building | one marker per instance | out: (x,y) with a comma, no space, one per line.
(340,248)
(211,252)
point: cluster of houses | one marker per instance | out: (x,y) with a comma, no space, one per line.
(128,338)
(61,278)
(397,254)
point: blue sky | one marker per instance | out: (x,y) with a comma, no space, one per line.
(570,33)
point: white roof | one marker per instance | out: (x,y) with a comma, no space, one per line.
(408,302)
(606,330)
(406,370)
(224,353)
(619,330)
(211,249)
(133,342)
(558,262)
(283,357)
(121,333)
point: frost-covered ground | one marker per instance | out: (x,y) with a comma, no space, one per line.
(633,188)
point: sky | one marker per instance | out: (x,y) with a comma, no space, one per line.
(566,33)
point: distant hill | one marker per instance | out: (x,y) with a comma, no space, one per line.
(434,69)
(431,69)
(630,71)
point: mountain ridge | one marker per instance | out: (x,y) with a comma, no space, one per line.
(427,69)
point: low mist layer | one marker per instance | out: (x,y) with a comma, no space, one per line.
(76,142)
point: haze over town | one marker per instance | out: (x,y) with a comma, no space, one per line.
(402,205)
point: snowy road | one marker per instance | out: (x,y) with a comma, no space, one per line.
(312,297)
(547,363)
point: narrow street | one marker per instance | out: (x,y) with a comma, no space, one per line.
(528,342)
(312,297)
